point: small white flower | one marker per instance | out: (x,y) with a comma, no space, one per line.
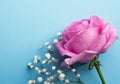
(55,41)
(35,61)
(61,76)
(67,81)
(40,79)
(49,61)
(78,75)
(44,61)
(47,43)
(44,70)
(39,71)
(48,79)
(36,68)
(51,78)
(73,70)
(59,71)
(47,55)
(47,73)
(50,48)
(59,33)
(54,59)
(53,67)
(31,82)
(45,82)
(31,66)
(37,58)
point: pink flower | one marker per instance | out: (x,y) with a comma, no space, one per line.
(83,40)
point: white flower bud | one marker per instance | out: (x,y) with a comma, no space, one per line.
(78,75)
(49,61)
(50,48)
(39,71)
(73,70)
(53,67)
(67,81)
(29,64)
(36,68)
(35,61)
(59,71)
(61,76)
(59,33)
(51,78)
(44,70)
(40,79)
(47,55)
(55,41)
(31,82)
(44,61)
(54,59)
(47,43)
(45,82)
(47,73)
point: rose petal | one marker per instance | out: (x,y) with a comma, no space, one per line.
(60,46)
(82,40)
(63,64)
(98,22)
(111,36)
(108,44)
(82,57)
(64,36)
(98,43)
(76,27)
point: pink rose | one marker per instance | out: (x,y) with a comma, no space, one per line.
(83,40)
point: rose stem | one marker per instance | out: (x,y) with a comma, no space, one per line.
(100,74)
(97,66)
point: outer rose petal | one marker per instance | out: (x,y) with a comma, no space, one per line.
(83,57)
(111,36)
(96,21)
(63,52)
(64,36)
(76,27)
(82,40)
(98,43)
(108,44)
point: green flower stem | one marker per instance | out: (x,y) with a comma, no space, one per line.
(95,63)
(100,74)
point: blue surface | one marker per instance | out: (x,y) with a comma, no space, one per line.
(27,24)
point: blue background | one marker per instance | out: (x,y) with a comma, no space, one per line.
(27,24)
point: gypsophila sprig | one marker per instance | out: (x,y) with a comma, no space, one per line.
(48,69)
